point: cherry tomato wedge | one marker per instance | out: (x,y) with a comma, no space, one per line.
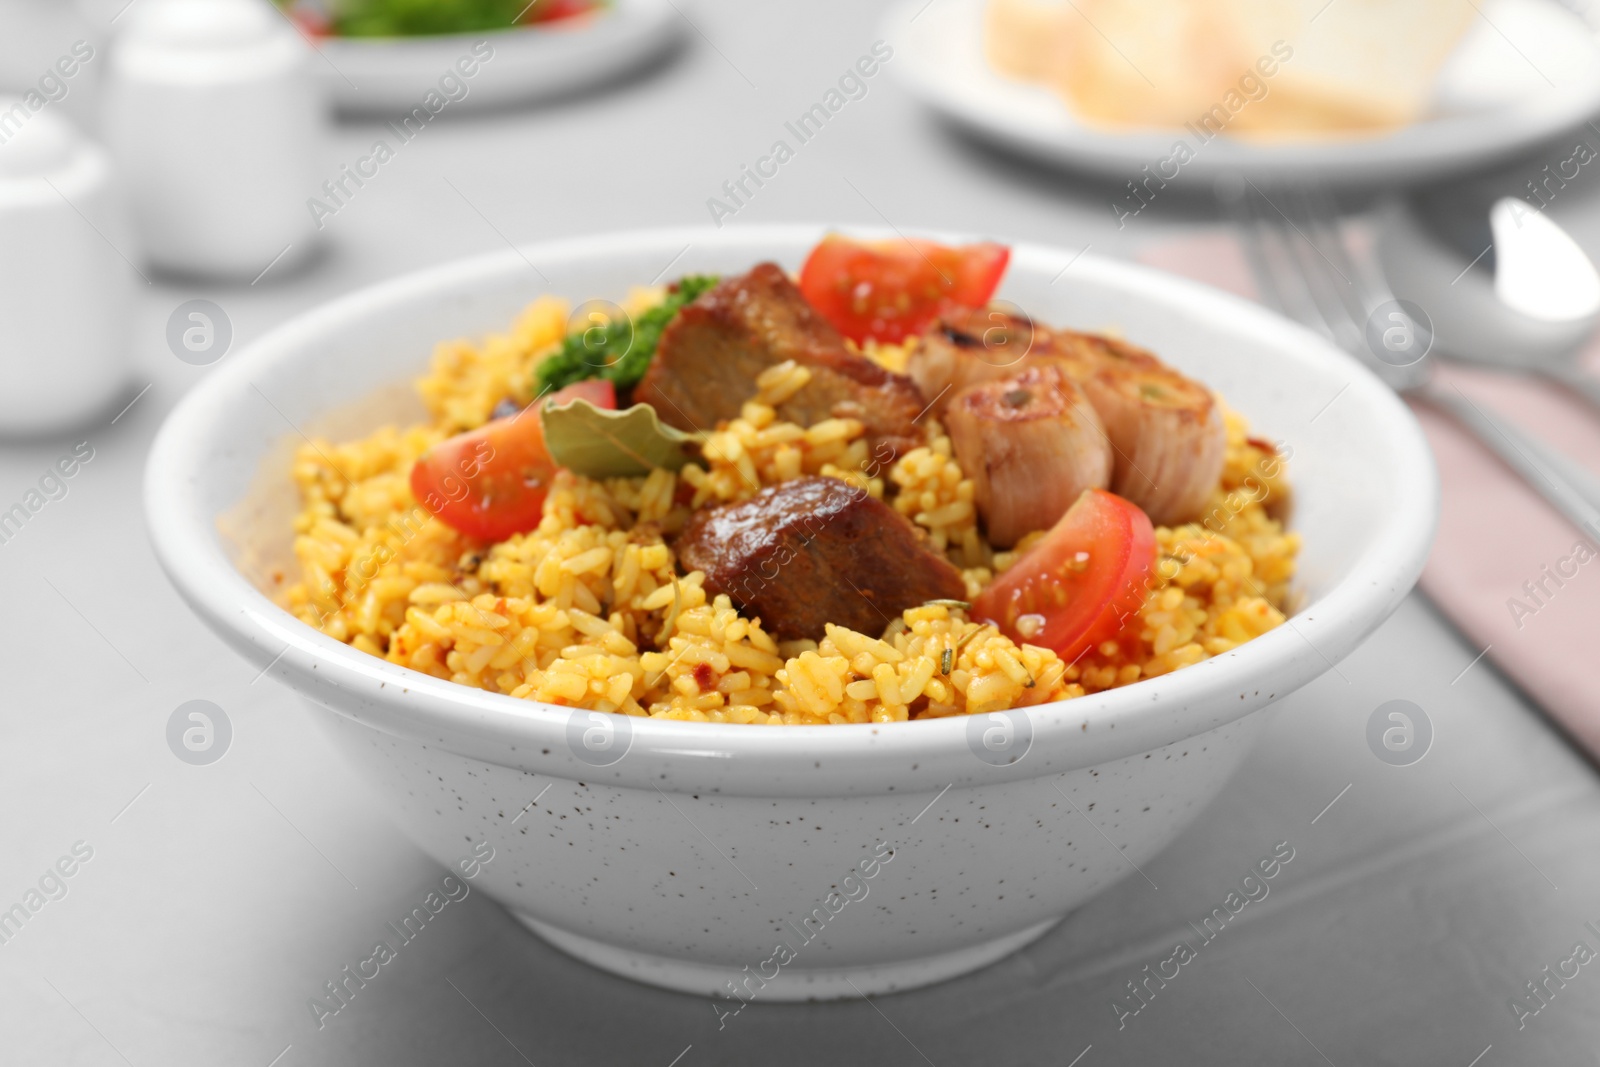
(891,290)
(491,482)
(1075,588)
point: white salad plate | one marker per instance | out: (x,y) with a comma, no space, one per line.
(884,856)
(395,74)
(1526,71)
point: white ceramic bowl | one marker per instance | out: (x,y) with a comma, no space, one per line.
(680,854)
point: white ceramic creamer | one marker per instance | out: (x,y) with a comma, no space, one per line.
(65,288)
(217,127)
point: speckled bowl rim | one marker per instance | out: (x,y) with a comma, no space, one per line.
(773,760)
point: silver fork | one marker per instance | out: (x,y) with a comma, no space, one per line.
(1304,268)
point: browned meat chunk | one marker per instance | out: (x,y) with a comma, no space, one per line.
(814,551)
(1031,444)
(1166,430)
(711,353)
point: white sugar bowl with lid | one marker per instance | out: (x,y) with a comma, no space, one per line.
(217,126)
(65,288)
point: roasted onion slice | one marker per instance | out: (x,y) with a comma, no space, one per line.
(1166,429)
(1032,444)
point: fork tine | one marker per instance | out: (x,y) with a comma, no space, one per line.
(1235,200)
(1293,261)
(1365,289)
(1330,287)
(1272,262)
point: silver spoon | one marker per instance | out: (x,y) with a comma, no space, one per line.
(1504,284)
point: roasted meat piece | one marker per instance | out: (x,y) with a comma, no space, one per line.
(1166,430)
(1031,444)
(814,551)
(711,353)
(981,346)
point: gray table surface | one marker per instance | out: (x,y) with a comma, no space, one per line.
(219,899)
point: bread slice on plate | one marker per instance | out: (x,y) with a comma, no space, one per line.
(1259,68)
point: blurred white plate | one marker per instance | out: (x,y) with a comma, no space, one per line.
(394,74)
(1526,71)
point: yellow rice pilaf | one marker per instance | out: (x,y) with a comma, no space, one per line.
(588,610)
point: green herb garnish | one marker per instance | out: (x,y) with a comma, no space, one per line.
(621,350)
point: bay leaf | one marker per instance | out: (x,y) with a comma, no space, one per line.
(598,443)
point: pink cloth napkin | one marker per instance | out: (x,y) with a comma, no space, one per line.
(1497,566)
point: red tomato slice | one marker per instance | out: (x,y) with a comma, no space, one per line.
(311,23)
(1075,588)
(891,290)
(491,483)
(555,10)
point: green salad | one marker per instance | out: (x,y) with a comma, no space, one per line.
(410,18)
